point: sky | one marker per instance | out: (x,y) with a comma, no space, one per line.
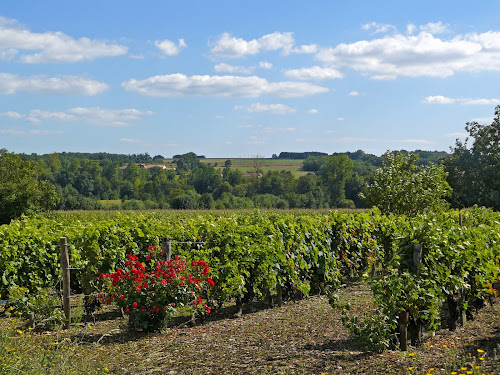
(245,78)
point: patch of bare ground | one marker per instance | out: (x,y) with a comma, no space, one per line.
(301,337)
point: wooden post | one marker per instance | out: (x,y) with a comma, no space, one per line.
(403,320)
(166,246)
(279,295)
(463,313)
(66,280)
(460,220)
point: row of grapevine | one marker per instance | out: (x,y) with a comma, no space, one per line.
(252,254)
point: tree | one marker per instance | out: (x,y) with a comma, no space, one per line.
(334,174)
(21,191)
(474,172)
(403,188)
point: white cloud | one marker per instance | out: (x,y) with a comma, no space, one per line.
(265,65)
(417,55)
(463,101)
(491,102)
(230,46)
(314,73)
(378,27)
(226,68)
(219,117)
(340,119)
(277,109)
(95,115)
(410,28)
(62,85)
(439,99)
(169,48)
(225,86)
(51,47)
(12,114)
(313,111)
(434,27)
(354,93)
(305,49)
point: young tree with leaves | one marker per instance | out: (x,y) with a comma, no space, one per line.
(403,188)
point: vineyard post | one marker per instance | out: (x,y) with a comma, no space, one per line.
(403,321)
(166,247)
(66,280)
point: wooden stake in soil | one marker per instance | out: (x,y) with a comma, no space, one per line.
(166,247)
(66,280)
(403,321)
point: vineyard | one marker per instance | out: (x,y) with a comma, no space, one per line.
(425,273)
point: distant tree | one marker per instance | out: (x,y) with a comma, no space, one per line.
(21,191)
(401,187)
(473,172)
(334,174)
(228,163)
(187,162)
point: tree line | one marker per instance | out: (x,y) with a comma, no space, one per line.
(467,176)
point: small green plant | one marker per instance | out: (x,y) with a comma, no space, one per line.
(43,309)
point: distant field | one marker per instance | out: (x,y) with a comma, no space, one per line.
(249,164)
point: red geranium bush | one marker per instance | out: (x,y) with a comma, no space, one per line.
(151,291)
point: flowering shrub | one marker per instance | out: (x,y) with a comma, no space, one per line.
(151,291)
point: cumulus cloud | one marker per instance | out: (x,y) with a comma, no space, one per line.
(314,73)
(418,55)
(354,93)
(434,27)
(62,85)
(313,111)
(378,27)
(277,109)
(438,99)
(225,86)
(340,119)
(226,68)
(232,47)
(51,47)
(169,48)
(95,115)
(265,65)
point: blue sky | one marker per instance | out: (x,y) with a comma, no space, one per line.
(244,78)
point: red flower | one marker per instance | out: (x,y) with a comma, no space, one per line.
(138,288)
(210,281)
(134,305)
(207,308)
(143,308)
(122,296)
(127,310)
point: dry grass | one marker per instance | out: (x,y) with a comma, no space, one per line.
(302,337)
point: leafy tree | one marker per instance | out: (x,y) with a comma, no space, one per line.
(401,187)
(334,174)
(474,172)
(21,191)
